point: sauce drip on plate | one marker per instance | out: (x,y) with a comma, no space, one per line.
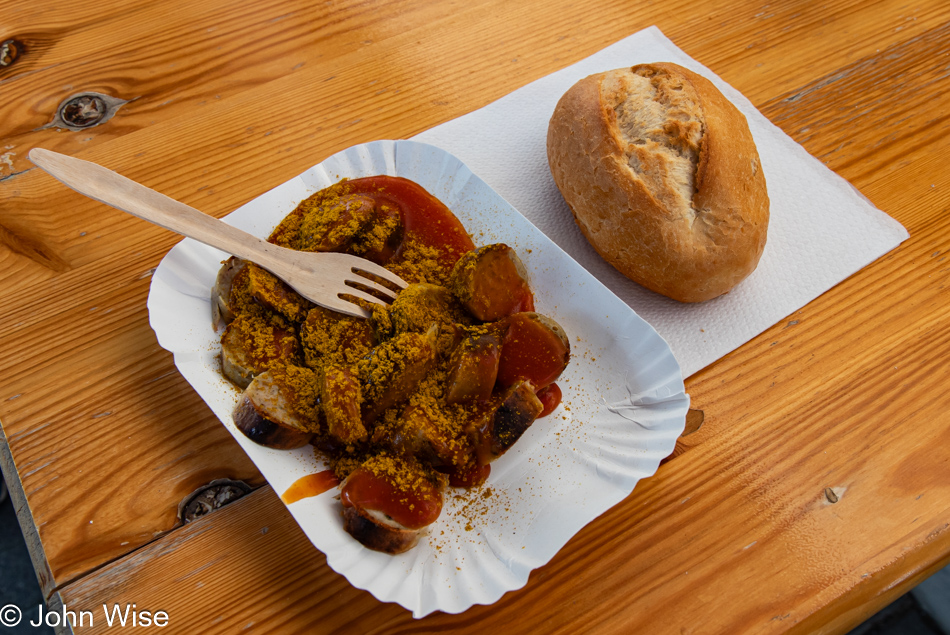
(310,485)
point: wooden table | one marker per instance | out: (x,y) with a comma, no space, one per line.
(818,489)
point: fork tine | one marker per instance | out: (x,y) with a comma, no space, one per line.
(344,306)
(372,285)
(364,296)
(376,270)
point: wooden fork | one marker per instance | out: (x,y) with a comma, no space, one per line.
(320,277)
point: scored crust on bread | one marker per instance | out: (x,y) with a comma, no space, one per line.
(663,178)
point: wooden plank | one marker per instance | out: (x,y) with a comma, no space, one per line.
(21,16)
(27,523)
(402,85)
(775,513)
(732,478)
(893,186)
(351,81)
(36,28)
(124,438)
(824,115)
(251,541)
(848,142)
(210,44)
(202,53)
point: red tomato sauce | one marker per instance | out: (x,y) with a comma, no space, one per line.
(414,510)
(530,351)
(424,217)
(550,397)
(527,302)
(498,287)
(473,477)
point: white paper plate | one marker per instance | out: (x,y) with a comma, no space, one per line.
(624,400)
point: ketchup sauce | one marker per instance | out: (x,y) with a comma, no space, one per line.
(550,397)
(424,217)
(472,477)
(412,509)
(499,289)
(532,350)
(310,485)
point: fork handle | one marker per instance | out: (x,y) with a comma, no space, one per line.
(111,188)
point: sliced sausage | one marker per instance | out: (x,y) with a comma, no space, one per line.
(342,398)
(495,427)
(275,413)
(251,344)
(329,337)
(535,348)
(491,283)
(274,294)
(221,313)
(417,433)
(388,502)
(473,368)
(393,370)
(336,223)
(419,306)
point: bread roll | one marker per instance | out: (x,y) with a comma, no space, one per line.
(663,178)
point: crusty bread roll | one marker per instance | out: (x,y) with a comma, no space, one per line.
(663,178)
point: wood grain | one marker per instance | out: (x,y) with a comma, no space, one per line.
(282,43)
(844,395)
(228,48)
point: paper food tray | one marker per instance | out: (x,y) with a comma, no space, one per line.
(624,400)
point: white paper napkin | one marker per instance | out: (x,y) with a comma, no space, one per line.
(821,230)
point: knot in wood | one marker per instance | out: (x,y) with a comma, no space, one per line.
(212,496)
(83,111)
(10,50)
